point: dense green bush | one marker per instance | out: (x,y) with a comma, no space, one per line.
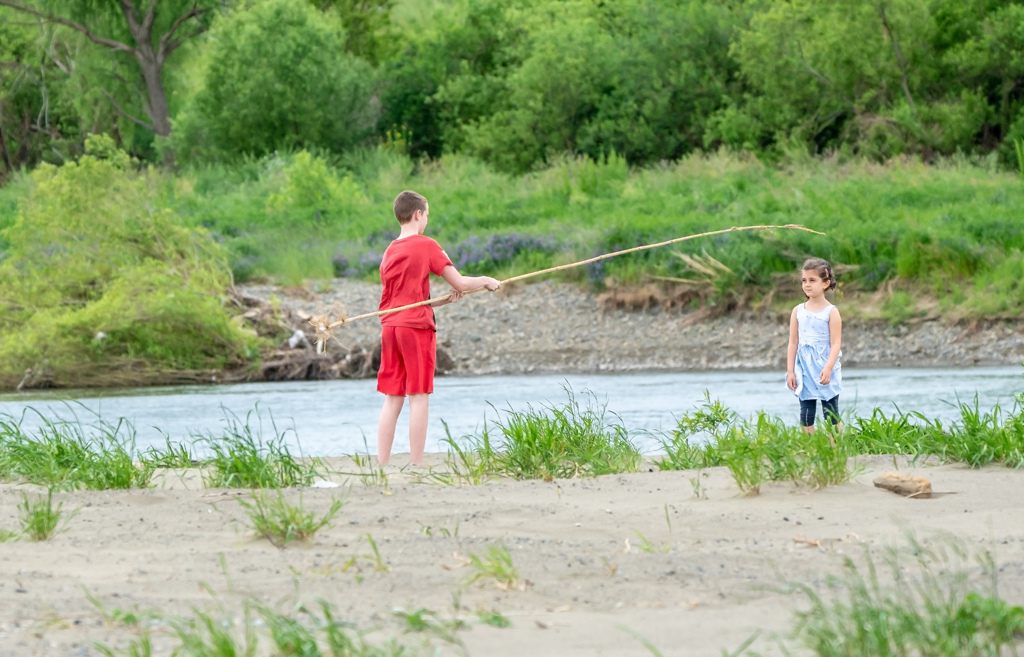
(97,281)
(277,77)
(517,83)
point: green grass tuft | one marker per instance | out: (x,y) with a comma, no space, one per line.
(70,455)
(561,442)
(494,565)
(174,455)
(40,520)
(934,605)
(281,522)
(494,619)
(305,631)
(685,450)
(241,458)
(756,450)
(977,438)
(763,448)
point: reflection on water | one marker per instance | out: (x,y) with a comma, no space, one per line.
(330,418)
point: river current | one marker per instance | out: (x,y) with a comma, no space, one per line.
(331,418)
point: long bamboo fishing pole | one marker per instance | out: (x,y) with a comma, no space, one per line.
(325,329)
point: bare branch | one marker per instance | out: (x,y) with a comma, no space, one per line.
(899,59)
(147,22)
(168,43)
(128,9)
(68,68)
(824,79)
(126,114)
(103,41)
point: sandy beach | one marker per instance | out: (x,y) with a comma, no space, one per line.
(604,561)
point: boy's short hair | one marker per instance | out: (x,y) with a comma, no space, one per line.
(406,205)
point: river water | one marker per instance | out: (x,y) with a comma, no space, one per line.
(331,418)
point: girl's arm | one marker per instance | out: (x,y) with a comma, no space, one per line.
(835,338)
(794,340)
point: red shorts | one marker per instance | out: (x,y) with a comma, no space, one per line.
(407,358)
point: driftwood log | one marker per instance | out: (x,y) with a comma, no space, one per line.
(905,485)
(303,363)
(296,358)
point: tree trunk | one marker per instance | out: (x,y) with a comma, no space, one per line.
(3,141)
(151,59)
(156,97)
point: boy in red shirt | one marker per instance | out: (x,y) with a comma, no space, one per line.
(408,337)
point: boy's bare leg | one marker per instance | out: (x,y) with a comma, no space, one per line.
(809,429)
(386,427)
(419,406)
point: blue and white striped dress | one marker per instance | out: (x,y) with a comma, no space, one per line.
(812,355)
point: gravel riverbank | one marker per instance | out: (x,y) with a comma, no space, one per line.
(560,328)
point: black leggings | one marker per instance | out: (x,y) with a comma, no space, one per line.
(829,409)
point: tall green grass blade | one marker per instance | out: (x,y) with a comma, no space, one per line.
(561,441)
(282,522)
(40,520)
(925,605)
(242,458)
(69,454)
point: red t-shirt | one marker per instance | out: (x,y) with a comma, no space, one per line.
(405,272)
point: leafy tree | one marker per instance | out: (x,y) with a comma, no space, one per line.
(832,70)
(674,73)
(38,120)
(569,69)
(637,77)
(367,25)
(989,57)
(881,77)
(147,32)
(278,77)
(469,53)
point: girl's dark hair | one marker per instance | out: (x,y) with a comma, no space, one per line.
(823,269)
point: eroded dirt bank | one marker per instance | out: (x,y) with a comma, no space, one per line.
(560,328)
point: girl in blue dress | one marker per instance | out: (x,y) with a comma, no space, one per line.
(815,341)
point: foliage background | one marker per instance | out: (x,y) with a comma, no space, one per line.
(517,83)
(542,131)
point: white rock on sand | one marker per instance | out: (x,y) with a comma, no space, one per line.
(163,548)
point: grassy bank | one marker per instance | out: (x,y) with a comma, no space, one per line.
(941,239)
